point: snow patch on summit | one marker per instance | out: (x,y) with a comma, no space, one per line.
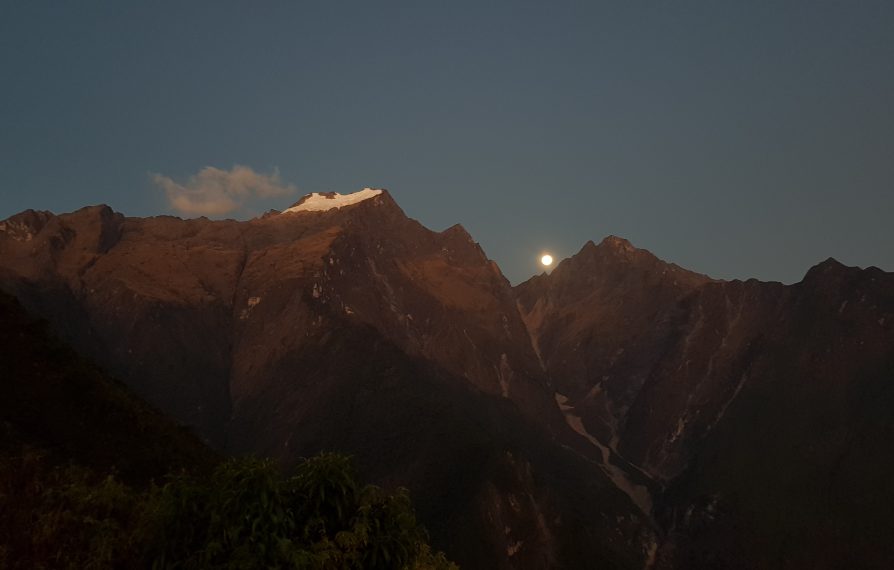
(318,202)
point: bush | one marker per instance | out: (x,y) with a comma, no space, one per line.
(247,515)
(252,517)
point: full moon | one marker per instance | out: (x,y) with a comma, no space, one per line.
(546,260)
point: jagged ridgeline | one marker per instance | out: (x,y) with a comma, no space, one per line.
(620,412)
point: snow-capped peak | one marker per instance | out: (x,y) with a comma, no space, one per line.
(318,202)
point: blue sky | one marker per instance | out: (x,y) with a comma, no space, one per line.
(739,139)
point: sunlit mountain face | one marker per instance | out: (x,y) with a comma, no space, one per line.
(618,411)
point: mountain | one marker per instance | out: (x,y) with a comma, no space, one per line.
(618,412)
(764,411)
(55,402)
(92,477)
(76,448)
(600,323)
(339,324)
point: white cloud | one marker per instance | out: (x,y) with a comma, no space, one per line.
(216,192)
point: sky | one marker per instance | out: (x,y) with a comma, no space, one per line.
(738,139)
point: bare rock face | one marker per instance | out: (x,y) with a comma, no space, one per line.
(762,409)
(619,412)
(601,323)
(339,324)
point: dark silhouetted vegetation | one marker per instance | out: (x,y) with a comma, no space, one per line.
(83,484)
(248,514)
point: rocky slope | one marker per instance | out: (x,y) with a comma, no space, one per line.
(63,408)
(339,325)
(763,409)
(618,412)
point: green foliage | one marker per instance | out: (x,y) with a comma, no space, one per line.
(236,520)
(247,515)
(324,493)
(64,517)
(84,523)
(389,527)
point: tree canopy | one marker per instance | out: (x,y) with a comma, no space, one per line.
(248,514)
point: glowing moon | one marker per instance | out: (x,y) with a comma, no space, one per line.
(546,260)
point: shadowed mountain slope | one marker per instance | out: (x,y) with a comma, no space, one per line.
(762,408)
(620,411)
(351,328)
(55,402)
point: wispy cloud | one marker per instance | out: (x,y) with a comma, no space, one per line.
(216,192)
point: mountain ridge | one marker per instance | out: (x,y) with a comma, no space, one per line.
(699,382)
(356,327)
(253,333)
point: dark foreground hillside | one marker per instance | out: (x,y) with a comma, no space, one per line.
(54,401)
(91,477)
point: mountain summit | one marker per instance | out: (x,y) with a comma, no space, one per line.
(342,325)
(620,411)
(318,202)
(747,402)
